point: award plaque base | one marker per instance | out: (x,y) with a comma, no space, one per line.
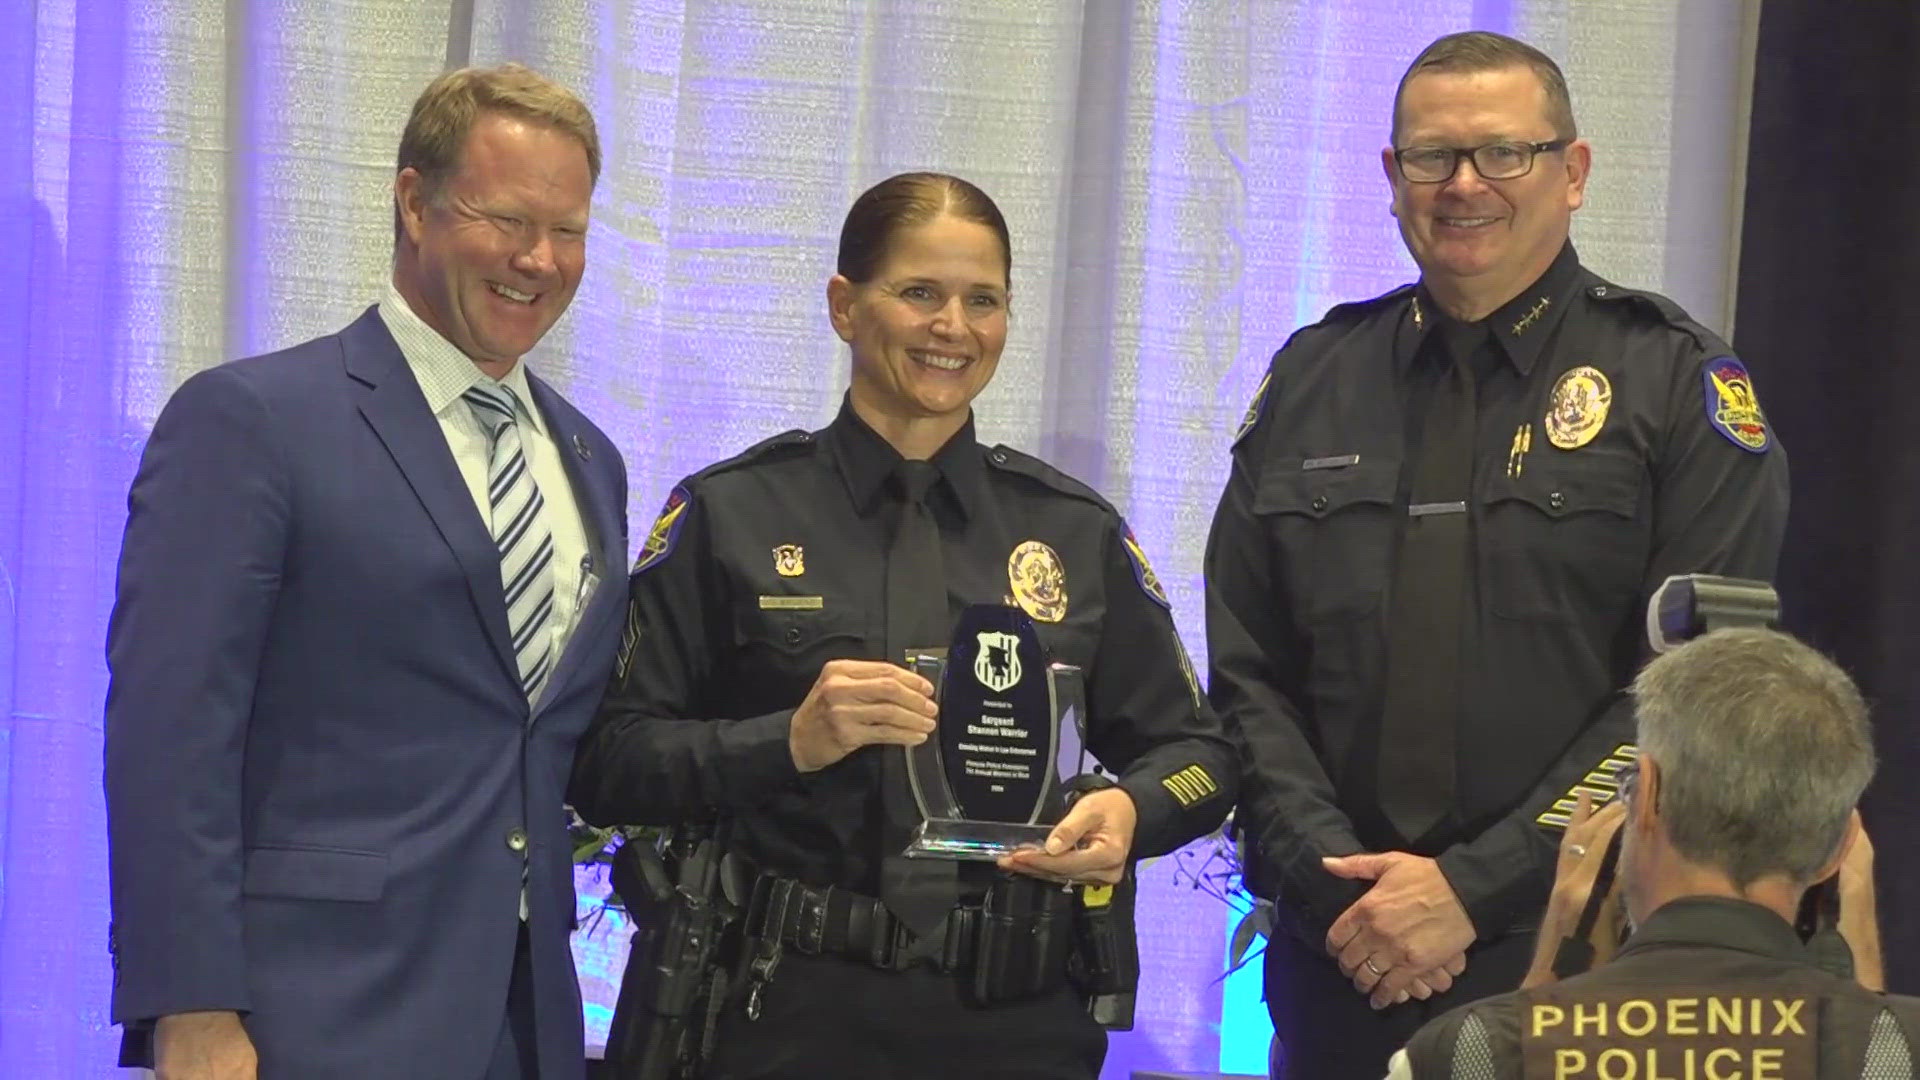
(973,841)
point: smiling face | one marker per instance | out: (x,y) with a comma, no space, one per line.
(926,331)
(1473,237)
(491,257)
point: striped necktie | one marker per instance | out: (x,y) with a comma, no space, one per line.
(520,530)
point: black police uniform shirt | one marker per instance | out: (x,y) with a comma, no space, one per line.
(1617,442)
(1709,987)
(763,568)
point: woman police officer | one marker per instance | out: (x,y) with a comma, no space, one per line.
(757,682)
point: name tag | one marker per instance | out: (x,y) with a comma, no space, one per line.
(792,603)
(1338,461)
(1672,1035)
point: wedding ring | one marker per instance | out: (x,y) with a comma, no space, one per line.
(1373,969)
(1579,850)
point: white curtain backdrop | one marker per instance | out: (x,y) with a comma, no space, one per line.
(1187,181)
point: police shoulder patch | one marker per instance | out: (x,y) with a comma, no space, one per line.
(1732,407)
(1254,408)
(1142,569)
(665,532)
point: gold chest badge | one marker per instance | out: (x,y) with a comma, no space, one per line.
(789,560)
(1039,582)
(1577,408)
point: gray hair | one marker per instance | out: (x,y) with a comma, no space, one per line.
(1764,749)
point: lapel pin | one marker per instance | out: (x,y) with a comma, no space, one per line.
(580,447)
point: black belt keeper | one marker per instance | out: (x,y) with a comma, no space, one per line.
(831,921)
(1013,947)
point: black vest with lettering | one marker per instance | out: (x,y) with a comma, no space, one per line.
(1707,988)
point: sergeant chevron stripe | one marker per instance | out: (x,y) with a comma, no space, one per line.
(1602,784)
(1190,785)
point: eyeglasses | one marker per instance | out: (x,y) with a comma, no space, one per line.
(1628,778)
(1494,161)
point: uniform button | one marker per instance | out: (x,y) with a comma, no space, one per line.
(1319,502)
(805,436)
(516,839)
(1557,501)
(1599,290)
(794,634)
(999,457)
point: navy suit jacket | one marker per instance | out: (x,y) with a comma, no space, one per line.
(319,763)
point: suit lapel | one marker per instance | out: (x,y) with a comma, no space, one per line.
(592,484)
(594,491)
(390,398)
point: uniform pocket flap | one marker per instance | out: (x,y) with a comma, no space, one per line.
(305,873)
(1573,486)
(1288,488)
(793,629)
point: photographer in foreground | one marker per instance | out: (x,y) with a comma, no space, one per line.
(1754,750)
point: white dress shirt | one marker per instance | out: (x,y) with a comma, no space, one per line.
(444,373)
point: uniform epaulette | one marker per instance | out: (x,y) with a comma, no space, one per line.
(1337,315)
(1660,308)
(665,533)
(786,440)
(1011,460)
(1732,406)
(1352,311)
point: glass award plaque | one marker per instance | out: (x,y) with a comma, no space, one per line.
(988,780)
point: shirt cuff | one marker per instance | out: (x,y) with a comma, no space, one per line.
(1157,816)
(1500,876)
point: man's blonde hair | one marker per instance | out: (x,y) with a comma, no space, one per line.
(445,112)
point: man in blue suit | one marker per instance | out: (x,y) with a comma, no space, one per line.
(360,626)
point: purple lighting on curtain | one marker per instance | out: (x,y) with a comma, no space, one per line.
(68,454)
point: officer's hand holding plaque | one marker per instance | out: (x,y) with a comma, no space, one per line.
(988,781)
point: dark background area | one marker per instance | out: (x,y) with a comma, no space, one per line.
(1829,321)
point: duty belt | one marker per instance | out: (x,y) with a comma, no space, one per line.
(815,921)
